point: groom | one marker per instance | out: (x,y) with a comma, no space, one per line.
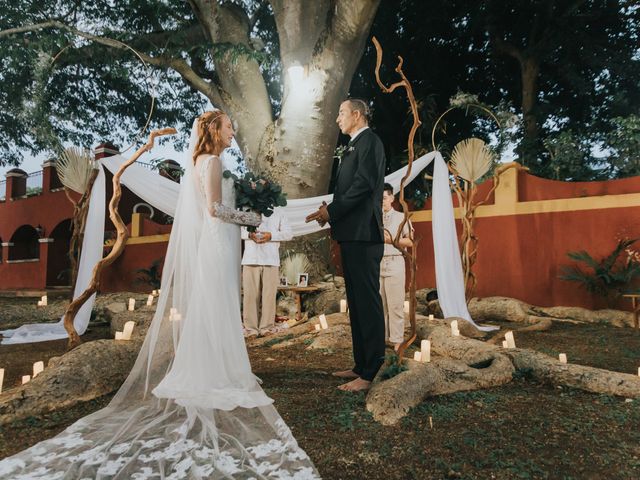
(355,216)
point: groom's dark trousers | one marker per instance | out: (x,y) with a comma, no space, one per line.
(356,224)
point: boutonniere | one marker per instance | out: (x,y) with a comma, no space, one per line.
(341,151)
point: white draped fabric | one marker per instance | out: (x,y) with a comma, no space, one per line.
(162,194)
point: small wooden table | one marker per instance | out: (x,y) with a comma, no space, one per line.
(635,307)
(298,293)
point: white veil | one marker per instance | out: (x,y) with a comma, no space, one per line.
(139,436)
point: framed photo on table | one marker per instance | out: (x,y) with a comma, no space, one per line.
(303,279)
(283,281)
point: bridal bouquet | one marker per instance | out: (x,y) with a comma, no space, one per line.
(256,193)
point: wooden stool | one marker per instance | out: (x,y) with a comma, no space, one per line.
(298,292)
(635,307)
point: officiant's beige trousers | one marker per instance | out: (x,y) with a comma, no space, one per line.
(392,293)
(259,286)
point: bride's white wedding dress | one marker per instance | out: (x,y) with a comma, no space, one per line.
(191,408)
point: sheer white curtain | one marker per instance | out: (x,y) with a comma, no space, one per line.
(162,193)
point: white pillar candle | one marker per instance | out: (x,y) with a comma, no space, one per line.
(158,291)
(511,341)
(323,321)
(132,304)
(562,357)
(454,328)
(150,300)
(638,374)
(343,306)
(118,335)
(173,311)
(25,379)
(1,378)
(425,351)
(317,327)
(177,317)
(128,330)
(38,367)
(154,293)
(44,300)
(406,306)
(505,344)
(431,317)
(40,303)
(417,356)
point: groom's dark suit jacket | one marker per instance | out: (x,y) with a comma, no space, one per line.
(356,210)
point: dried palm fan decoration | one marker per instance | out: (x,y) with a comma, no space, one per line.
(77,171)
(292,265)
(118,246)
(470,161)
(410,255)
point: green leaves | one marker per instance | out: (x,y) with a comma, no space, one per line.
(610,277)
(257,193)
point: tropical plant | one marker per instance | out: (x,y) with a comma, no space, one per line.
(610,277)
(150,276)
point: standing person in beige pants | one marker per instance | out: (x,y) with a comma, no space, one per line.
(261,272)
(392,272)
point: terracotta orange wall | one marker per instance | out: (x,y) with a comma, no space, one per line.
(521,256)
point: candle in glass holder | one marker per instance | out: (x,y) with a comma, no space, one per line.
(406,306)
(40,303)
(132,304)
(173,311)
(505,344)
(431,317)
(425,351)
(154,292)
(416,356)
(38,367)
(455,331)
(44,300)
(638,371)
(511,341)
(118,335)
(343,306)
(128,330)
(562,357)
(1,378)
(25,379)
(323,321)
(317,327)
(150,300)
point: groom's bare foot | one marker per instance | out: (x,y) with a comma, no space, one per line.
(346,374)
(357,385)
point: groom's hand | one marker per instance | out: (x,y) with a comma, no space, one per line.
(321,215)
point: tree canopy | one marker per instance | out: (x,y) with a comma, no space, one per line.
(570,70)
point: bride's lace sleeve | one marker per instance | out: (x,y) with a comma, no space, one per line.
(213,193)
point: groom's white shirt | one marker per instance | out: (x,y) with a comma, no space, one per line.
(358,132)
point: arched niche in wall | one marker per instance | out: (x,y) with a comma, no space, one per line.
(25,244)
(58,263)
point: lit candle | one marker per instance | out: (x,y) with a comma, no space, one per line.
(511,341)
(25,379)
(44,300)
(454,328)
(406,306)
(638,373)
(132,304)
(425,351)
(150,300)
(154,293)
(118,335)
(1,378)
(431,317)
(563,358)
(416,356)
(177,317)
(323,321)
(158,291)
(40,303)
(317,327)
(38,367)
(505,344)
(343,306)
(173,311)
(128,330)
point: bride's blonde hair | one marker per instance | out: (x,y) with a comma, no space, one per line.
(209,125)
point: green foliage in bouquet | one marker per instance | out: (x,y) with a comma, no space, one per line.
(257,193)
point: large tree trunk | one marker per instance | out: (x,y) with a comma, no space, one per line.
(325,37)
(529,71)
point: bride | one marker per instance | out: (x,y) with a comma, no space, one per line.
(191,407)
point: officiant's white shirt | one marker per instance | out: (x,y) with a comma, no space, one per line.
(267,254)
(358,133)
